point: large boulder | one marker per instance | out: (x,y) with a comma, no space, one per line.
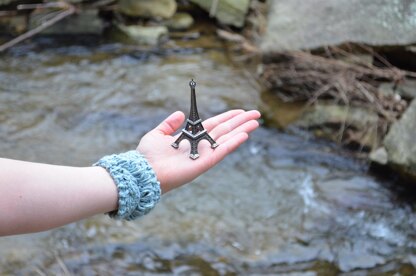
(300,24)
(229,12)
(145,35)
(148,8)
(180,21)
(350,124)
(400,142)
(83,22)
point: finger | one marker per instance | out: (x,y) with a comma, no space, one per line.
(171,123)
(233,123)
(247,127)
(228,147)
(211,123)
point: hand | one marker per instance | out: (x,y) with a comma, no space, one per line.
(173,167)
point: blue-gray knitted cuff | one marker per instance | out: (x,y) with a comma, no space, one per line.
(137,185)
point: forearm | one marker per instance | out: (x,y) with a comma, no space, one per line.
(36,197)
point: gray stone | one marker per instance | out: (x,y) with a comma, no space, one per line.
(386,89)
(379,156)
(180,21)
(148,35)
(407,89)
(14,25)
(83,22)
(299,24)
(148,8)
(330,119)
(400,142)
(229,12)
(322,114)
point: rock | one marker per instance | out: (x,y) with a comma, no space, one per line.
(386,89)
(330,118)
(229,12)
(321,114)
(180,21)
(148,8)
(406,89)
(83,22)
(299,24)
(149,35)
(379,156)
(14,25)
(400,142)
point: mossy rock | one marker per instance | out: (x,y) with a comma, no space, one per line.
(148,8)
(229,12)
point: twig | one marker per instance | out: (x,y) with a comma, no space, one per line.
(102,3)
(70,10)
(304,76)
(384,61)
(63,266)
(237,38)
(62,5)
(233,37)
(343,125)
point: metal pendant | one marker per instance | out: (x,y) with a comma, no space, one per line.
(194,132)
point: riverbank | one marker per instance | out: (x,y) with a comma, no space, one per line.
(353,66)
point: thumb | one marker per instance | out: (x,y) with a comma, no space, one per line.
(171,123)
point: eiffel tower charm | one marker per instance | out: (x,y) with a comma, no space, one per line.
(194,132)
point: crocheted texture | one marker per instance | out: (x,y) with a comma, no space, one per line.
(137,185)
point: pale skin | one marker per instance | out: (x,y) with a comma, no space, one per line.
(36,197)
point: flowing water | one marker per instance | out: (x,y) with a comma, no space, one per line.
(281,204)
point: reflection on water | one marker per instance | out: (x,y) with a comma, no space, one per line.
(280,204)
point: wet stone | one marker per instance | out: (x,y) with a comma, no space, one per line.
(147,35)
(379,156)
(180,21)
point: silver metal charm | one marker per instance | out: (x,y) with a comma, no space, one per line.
(194,132)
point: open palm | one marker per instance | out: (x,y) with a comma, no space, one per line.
(173,167)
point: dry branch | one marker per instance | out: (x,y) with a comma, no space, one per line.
(345,80)
(308,77)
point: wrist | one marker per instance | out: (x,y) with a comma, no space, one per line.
(137,186)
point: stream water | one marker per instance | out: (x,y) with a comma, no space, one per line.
(281,204)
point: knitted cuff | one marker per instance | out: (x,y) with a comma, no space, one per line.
(137,185)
